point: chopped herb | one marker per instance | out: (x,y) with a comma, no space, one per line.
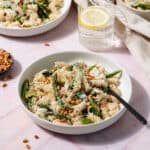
(81,95)
(85,120)
(17,18)
(113,74)
(105,89)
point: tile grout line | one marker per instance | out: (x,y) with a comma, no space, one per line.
(12,110)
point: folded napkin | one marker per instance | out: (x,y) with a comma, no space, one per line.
(138,45)
(134,31)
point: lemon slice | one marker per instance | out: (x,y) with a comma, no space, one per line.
(93,18)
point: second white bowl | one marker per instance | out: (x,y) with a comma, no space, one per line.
(144,13)
(24,32)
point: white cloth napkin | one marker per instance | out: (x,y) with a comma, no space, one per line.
(138,45)
(135,22)
(137,39)
(82,3)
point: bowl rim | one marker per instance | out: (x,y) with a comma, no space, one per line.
(134,9)
(66,6)
(122,110)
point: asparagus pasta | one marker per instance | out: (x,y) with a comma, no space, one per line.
(138,4)
(72,94)
(28,13)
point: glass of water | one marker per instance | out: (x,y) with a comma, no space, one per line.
(96,26)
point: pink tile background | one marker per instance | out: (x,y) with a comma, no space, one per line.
(126,134)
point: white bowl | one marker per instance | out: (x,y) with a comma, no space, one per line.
(70,57)
(24,32)
(144,13)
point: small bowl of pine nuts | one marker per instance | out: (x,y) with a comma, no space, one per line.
(6,61)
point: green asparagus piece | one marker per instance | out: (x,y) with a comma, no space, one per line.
(113,74)
(91,67)
(25,88)
(54,84)
(61,116)
(58,99)
(45,106)
(72,83)
(94,108)
(143,6)
(24,6)
(81,72)
(85,120)
(51,112)
(43,11)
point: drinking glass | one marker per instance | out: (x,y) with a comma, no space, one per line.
(99,39)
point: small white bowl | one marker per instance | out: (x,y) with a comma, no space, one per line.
(24,32)
(71,57)
(144,13)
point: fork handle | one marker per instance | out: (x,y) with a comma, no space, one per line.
(128,107)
